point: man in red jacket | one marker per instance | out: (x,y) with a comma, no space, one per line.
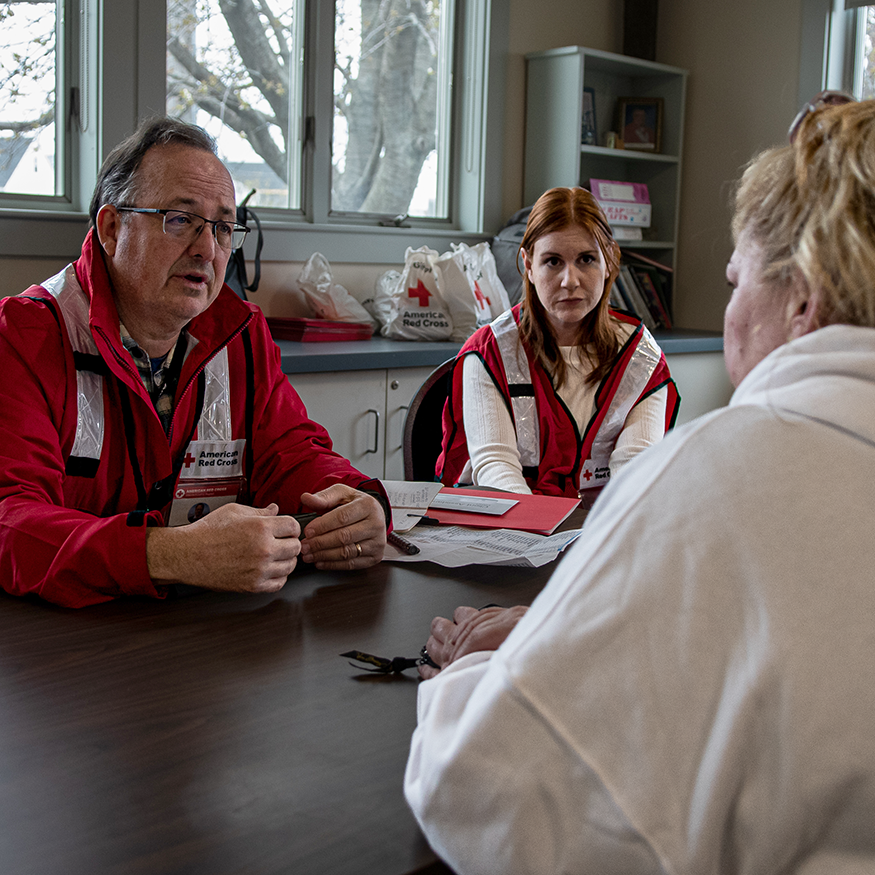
(139,393)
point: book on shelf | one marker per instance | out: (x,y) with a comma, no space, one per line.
(652,297)
(635,256)
(636,291)
(620,215)
(660,274)
(616,299)
(632,291)
(620,299)
(623,203)
(624,233)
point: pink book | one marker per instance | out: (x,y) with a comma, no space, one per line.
(623,192)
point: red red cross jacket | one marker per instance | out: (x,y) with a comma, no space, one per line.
(73,536)
(557,459)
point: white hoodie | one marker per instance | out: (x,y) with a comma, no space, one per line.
(694,690)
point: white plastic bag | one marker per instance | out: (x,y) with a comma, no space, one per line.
(327,299)
(470,285)
(409,305)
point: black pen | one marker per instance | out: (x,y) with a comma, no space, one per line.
(426,520)
(401,544)
(304,518)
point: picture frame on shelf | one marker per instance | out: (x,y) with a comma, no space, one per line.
(588,135)
(640,123)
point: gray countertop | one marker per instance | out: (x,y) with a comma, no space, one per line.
(382,353)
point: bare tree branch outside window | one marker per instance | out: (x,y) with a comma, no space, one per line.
(230,67)
(230,59)
(27,96)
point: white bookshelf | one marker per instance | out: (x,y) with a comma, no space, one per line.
(554,154)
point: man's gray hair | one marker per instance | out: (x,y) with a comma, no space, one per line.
(118,178)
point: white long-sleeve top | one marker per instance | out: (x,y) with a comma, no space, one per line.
(693,691)
(492,443)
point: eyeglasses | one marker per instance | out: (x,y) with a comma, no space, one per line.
(825,98)
(186,227)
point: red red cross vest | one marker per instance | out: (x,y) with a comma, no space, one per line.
(213,462)
(556,458)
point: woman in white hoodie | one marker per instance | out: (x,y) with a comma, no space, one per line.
(693,691)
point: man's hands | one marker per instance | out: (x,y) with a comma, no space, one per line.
(350,531)
(234,548)
(244,549)
(470,630)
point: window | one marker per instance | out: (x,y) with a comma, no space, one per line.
(238,70)
(29,78)
(126,59)
(837,51)
(392,94)
(862,61)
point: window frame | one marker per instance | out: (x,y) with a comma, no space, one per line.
(132,66)
(828,46)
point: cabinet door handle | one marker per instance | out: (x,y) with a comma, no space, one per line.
(403,409)
(376,430)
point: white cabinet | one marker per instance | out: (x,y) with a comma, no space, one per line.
(702,382)
(555,155)
(364,413)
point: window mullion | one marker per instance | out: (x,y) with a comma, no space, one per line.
(319,67)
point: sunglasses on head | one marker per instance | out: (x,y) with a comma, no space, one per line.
(825,98)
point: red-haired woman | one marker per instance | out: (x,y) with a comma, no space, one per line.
(560,391)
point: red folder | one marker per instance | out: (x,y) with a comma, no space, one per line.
(532,513)
(304,329)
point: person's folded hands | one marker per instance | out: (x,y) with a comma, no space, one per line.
(350,531)
(469,631)
(234,548)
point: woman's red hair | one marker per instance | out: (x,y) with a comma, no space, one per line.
(556,210)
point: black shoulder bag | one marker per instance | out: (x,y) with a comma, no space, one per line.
(235,272)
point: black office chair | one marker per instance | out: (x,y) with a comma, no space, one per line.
(422,427)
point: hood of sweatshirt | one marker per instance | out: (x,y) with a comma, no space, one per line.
(827,376)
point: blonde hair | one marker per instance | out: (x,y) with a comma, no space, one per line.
(556,210)
(810,207)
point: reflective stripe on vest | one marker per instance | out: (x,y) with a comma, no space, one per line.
(214,423)
(639,370)
(73,304)
(522,393)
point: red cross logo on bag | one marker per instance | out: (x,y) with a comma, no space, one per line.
(482,300)
(420,292)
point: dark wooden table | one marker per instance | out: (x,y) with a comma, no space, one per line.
(217,734)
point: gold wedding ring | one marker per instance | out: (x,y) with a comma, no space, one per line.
(359,549)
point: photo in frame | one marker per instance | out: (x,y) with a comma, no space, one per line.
(640,122)
(588,134)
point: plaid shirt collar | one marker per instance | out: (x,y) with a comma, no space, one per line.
(158,377)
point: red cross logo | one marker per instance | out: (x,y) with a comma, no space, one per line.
(587,475)
(420,292)
(481,297)
(187,461)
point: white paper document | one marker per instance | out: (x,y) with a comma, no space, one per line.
(409,500)
(473,503)
(452,546)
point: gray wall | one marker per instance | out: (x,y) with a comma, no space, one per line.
(547,24)
(743,59)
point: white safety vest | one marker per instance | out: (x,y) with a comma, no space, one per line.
(639,370)
(214,425)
